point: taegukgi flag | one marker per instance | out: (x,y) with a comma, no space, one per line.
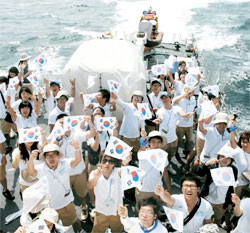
(56,132)
(34,78)
(114,86)
(30,135)
(156,157)
(70,122)
(131,177)
(40,62)
(159,69)
(223,176)
(13,83)
(105,123)
(117,148)
(175,218)
(144,110)
(38,226)
(89,98)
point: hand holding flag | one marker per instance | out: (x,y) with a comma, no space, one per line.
(30,135)
(175,218)
(144,110)
(223,176)
(114,86)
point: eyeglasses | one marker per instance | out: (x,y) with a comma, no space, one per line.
(189,186)
(110,161)
(147,212)
(49,156)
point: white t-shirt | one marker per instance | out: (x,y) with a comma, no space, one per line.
(23,166)
(16,104)
(22,122)
(187,105)
(214,141)
(204,212)
(179,88)
(59,183)
(152,176)
(108,194)
(2,109)
(2,140)
(53,115)
(106,109)
(69,151)
(131,122)
(169,122)
(103,138)
(155,100)
(132,225)
(51,102)
(243,223)
(242,162)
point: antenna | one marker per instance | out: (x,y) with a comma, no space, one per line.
(100,80)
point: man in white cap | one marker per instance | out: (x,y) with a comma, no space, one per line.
(62,97)
(57,171)
(167,119)
(184,125)
(218,196)
(152,176)
(215,137)
(131,122)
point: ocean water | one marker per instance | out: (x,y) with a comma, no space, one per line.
(57,28)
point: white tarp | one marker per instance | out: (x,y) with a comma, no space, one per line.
(109,59)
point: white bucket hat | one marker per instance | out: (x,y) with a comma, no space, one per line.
(155,133)
(137,92)
(50,215)
(62,93)
(24,57)
(49,148)
(228,151)
(221,117)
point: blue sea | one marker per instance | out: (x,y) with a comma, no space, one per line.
(57,28)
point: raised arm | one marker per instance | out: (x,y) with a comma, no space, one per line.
(10,110)
(237,210)
(73,87)
(38,103)
(165,196)
(201,127)
(47,87)
(93,179)
(30,166)
(78,156)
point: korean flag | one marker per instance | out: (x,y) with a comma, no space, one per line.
(105,123)
(30,135)
(71,122)
(144,110)
(114,86)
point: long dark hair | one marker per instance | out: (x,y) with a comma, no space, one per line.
(24,153)
(24,89)
(14,70)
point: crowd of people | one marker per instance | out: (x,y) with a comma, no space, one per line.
(76,160)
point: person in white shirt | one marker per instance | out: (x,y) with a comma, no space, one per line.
(179,84)
(242,159)
(187,201)
(78,175)
(58,171)
(51,91)
(106,183)
(146,221)
(215,137)
(167,119)
(152,175)
(242,211)
(62,97)
(184,125)
(132,123)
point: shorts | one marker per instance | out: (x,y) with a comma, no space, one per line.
(79,184)
(135,143)
(139,195)
(2,173)
(199,147)
(6,126)
(171,148)
(187,131)
(102,222)
(67,214)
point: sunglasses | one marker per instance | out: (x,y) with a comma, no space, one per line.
(110,161)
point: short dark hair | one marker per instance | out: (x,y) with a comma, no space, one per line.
(183,72)
(60,116)
(211,96)
(117,161)
(14,70)
(151,201)
(24,89)
(105,94)
(54,83)
(191,177)
(244,136)
(181,63)
(24,104)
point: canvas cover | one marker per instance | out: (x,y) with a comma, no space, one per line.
(105,59)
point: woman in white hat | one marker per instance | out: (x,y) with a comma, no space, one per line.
(24,67)
(218,196)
